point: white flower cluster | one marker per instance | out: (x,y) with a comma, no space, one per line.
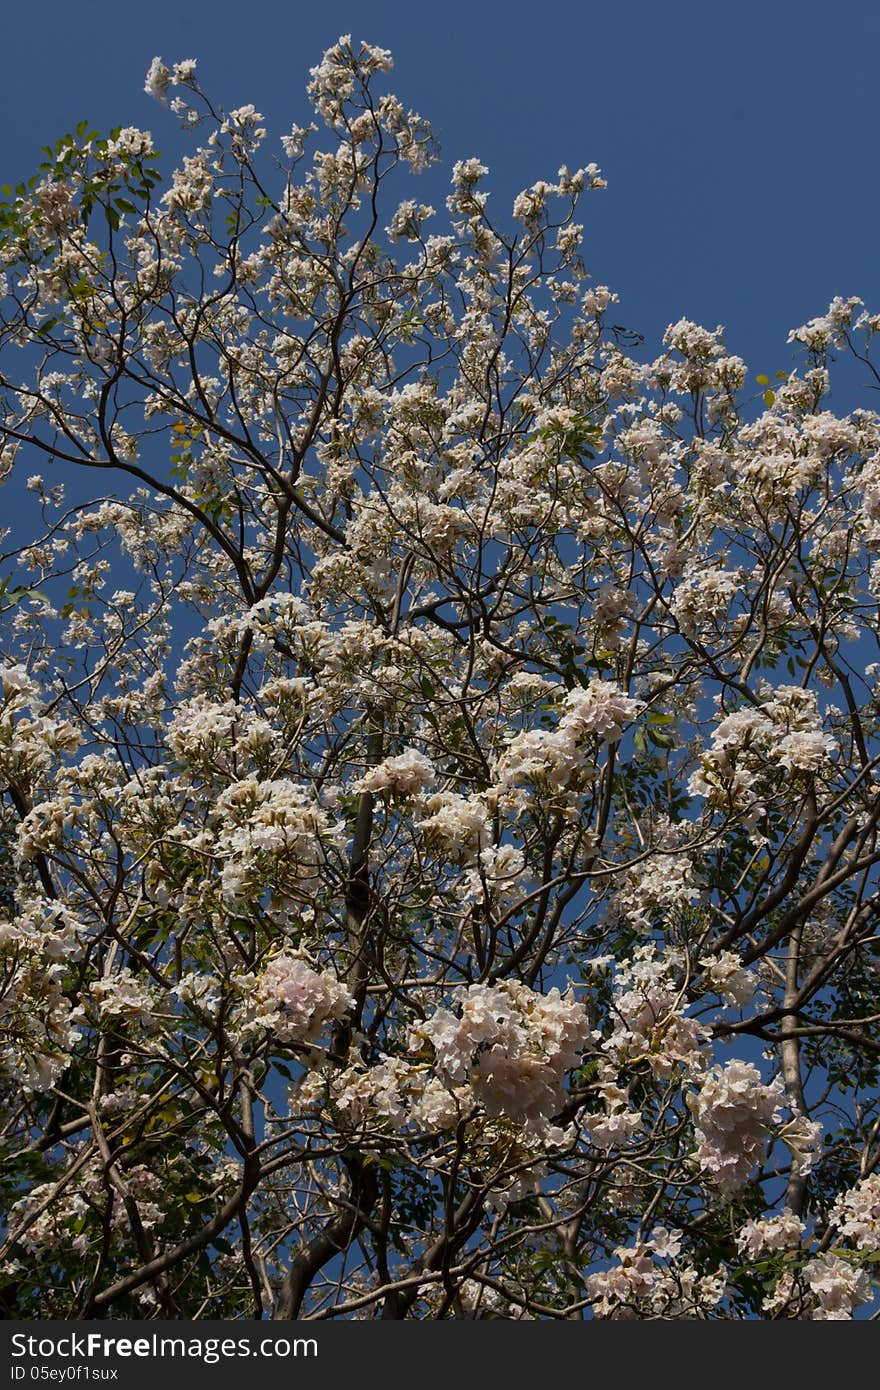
(548,758)
(799,743)
(132,142)
(455,824)
(67,1222)
(37,1022)
(263,824)
(513,1044)
(638,1285)
(868,482)
(837,1286)
(727,976)
(541,756)
(649,1015)
(827,329)
(406,775)
(497,876)
(601,709)
(202,728)
(478,1301)
(123,994)
(160,78)
(396,1091)
(618,1124)
(660,883)
(781,1232)
(30,739)
(703,595)
(856,1214)
(276,614)
(333,80)
(45,928)
(733,1113)
(296,1002)
(785,730)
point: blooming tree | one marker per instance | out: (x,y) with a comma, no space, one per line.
(439,753)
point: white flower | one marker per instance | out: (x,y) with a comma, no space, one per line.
(16,681)
(158,78)
(726,974)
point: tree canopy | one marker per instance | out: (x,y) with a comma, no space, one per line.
(439,752)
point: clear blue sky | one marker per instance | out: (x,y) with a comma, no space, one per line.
(739,139)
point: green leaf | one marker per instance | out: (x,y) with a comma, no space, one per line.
(660,740)
(19,594)
(763,380)
(769,398)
